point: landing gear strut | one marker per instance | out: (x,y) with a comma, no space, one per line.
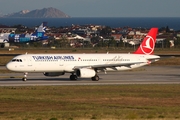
(25,76)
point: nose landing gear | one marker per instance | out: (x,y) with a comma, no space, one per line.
(25,76)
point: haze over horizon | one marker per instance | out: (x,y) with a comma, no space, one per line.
(99,8)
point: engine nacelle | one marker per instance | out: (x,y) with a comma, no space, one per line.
(53,74)
(85,73)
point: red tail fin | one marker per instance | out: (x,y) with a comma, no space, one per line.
(148,43)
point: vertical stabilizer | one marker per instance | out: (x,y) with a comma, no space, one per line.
(148,43)
(39,32)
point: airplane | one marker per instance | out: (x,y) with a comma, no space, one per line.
(24,38)
(85,65)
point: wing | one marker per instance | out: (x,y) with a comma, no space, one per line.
(103,66)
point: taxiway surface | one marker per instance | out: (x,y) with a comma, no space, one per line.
(143,75)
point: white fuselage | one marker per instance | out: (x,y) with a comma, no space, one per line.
(70,62)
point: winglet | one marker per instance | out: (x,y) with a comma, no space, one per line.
(148,43)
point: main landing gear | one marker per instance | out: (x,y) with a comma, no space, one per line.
(95,78)
(73,77)
(25,76)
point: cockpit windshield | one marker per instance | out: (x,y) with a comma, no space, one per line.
(16,60)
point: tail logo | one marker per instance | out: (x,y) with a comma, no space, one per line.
(44,29)
(148,46)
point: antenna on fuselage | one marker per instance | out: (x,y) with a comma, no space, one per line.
(26,53)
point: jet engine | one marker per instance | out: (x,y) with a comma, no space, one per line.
(85,73)
(53,74)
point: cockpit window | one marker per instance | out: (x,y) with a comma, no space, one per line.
(16,60)
(13,60)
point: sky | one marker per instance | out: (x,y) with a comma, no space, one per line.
(98,8)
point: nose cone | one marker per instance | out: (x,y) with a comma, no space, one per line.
(9,66)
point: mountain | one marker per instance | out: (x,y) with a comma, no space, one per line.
(39,13)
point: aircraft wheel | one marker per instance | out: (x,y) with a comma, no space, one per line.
(25,76)
(24,79)
(73,77)
(95,78)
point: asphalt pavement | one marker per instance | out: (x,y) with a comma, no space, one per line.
(143,75)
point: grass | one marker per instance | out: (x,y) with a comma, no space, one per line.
(5,59)
(164,51)
(90,102)
(168,61)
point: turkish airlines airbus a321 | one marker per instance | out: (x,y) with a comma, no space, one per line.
(85,65)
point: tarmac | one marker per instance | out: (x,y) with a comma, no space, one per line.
(144,75)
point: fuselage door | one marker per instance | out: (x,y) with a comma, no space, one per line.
(61,62)
(29,61)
